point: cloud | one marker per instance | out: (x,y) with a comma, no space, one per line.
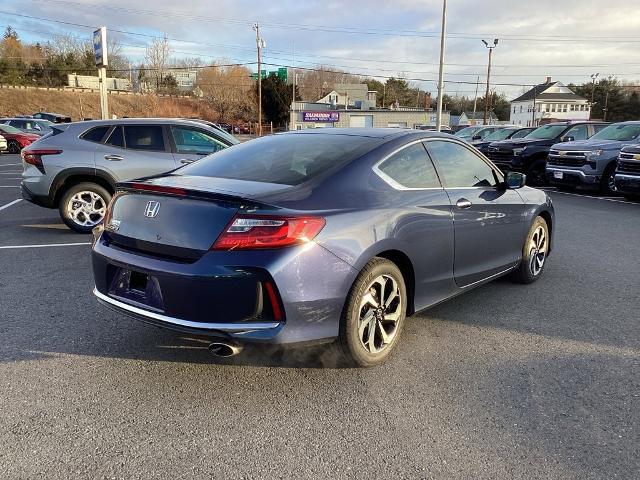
(537,39)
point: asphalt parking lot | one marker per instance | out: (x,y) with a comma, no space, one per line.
(507,381)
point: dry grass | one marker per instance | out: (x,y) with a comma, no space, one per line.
(87,105)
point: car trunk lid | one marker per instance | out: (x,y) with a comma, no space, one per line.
(177,217)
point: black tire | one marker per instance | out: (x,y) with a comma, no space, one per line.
(606,183)
(566,188)
(353,348)
(13,147)
(536,173)
(67,215)
(526,273)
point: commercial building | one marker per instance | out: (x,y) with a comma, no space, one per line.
(354,105)
(548,102)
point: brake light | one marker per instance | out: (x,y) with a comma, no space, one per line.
(159,188)
(34,157)
(248,232)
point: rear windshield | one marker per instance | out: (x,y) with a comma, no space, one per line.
(621,132)
(467,132)
(289,159)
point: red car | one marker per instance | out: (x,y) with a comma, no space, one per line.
(17,139)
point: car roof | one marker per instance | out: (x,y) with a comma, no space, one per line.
(138,121)
(387,133)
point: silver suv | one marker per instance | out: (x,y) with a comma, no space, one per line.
(76,166)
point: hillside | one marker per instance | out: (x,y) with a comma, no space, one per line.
(81,105)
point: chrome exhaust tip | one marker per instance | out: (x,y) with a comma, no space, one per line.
(224,349)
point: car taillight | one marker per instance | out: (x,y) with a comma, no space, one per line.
(147,187)
(248,232)
(34,157)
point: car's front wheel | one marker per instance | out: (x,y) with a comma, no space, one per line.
(83,206)
(374,314)
(607,184)
(534,253)
(536,173)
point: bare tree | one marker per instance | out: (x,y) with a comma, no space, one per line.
(157,59)
(229,91)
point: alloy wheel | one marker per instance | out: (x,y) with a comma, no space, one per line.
(537,250)
(380,310)
(86,208)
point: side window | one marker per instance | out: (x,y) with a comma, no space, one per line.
(95,134)
(598,127)
(17,123)
(144,137)
(411,168)
(116,138)
(189,140)
(460,167)
(579,132)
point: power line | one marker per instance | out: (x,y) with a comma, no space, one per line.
(303,54)
(361,31)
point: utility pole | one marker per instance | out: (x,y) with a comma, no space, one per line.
(441,72)
(593,90)
(533,120)
(475,99)
(259,45)
(486,97)
(606,106)
(293,90)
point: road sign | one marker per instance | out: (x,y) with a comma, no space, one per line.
(100,46)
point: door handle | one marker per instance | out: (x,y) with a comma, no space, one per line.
(463,203)
(186,161)
(114,158)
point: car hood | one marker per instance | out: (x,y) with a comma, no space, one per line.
(520,142)
(590,145)
(631,149)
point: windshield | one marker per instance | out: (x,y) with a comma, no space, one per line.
(621,132)
(289,159)
(9,129)
(523,132)
(547,132)
(500,134)
(467,132)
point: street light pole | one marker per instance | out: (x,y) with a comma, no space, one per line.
(441,72)
(486,96)
(259,44)
(593,89)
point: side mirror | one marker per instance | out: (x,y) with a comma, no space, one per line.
(568,138)
(513,180)
(476,137)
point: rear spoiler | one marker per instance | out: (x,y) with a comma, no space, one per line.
(140,186)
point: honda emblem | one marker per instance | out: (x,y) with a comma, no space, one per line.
(152,209)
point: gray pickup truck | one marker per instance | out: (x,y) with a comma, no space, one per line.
(591,162)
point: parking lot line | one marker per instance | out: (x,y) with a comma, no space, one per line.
(609,199)
(9,186)
(10,203)
(9,247)
(9,173)
(8,164)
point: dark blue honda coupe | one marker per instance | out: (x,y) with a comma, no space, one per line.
(318,235)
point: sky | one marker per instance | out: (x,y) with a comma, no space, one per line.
(566,39)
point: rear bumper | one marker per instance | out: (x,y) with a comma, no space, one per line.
(570,176)
(41,200)
(627,183)
(222,294)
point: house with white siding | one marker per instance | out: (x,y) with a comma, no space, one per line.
(548,102)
